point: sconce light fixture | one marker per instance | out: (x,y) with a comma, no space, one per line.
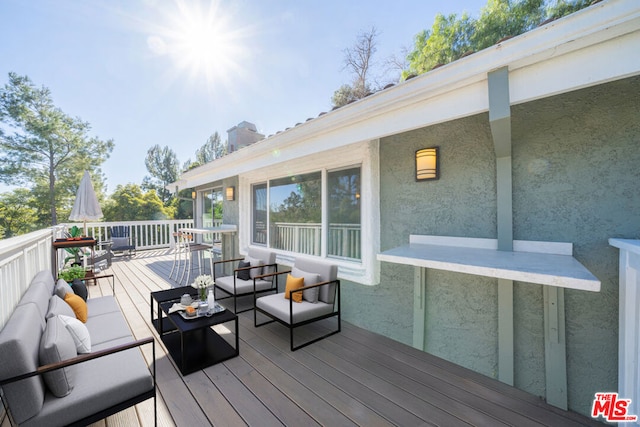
(427,164)
(231,194)
(193,195)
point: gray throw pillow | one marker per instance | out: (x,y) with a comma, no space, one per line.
(58,306)
(57,345)
(244,274)
(310,295)
(61,288)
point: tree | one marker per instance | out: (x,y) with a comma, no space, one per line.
(17,215)
(129,203)
(42,146)
(358,59)
(211,150)
(162,164)
(451,37)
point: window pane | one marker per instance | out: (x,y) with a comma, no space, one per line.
(211,211)
(260,214)
(295,213)
(343,237)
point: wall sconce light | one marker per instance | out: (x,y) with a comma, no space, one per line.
(193,195)
(427,164)
(231,194)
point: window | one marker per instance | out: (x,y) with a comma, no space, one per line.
(259,228)
(343,235)
(211,210)
(294,222)
(295,213)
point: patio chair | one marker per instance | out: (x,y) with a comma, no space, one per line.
(246,279)
(121,240)
(317,299)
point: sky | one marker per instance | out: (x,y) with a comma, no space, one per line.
(173,72)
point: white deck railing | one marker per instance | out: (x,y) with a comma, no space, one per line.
(21,258)
(343,240)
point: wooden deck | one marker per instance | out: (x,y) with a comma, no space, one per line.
(352,378)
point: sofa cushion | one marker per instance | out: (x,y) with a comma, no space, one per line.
(100,383)
(310,295)
(279,307)
(242,286)
(78,305)
(43,278)
(58,306)
(244,274)
(39,295)
(292,284)
(57,345)
(102,305)
(326,272)
(19,345)
(254,262)
(107,327)
(62,288)
(79,333)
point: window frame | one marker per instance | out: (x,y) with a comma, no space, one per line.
(364,155)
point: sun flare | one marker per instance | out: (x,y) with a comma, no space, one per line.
(201,41)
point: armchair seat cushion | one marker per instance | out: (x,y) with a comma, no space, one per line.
(242,286)
(278,306)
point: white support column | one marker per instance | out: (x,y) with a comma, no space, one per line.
(629,323)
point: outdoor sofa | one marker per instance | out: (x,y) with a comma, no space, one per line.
(90,385)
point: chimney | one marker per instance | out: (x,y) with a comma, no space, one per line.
(242,135)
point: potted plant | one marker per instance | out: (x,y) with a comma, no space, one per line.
(71,273)
(74,233)
(202,283)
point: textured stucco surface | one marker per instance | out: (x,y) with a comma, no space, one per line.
(576,178)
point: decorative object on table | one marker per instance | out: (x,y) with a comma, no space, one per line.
(186,299)
(70,273)
(202,283)
(203,309)
(211,299)
(86,207)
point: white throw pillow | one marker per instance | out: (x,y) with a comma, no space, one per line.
(79,332)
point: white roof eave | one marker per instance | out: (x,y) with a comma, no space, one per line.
(558,57)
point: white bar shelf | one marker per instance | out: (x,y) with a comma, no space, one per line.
(544,263)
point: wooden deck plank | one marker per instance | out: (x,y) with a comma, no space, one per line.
(355,377)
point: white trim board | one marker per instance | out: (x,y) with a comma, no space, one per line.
(543,263)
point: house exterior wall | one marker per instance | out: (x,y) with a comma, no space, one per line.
(575,179)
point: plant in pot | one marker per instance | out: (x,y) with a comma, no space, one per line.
(70,273)
(75,233)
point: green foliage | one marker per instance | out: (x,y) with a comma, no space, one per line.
(451,37)
(70,273)
(17,213)
(211,150)
(163,166)
(129,203)
(44,148)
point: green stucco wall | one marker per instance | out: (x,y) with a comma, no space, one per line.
(576,178)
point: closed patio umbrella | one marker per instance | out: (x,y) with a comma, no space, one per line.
(86,207)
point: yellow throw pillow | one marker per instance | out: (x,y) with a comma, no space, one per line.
(78,305)
(294,283)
